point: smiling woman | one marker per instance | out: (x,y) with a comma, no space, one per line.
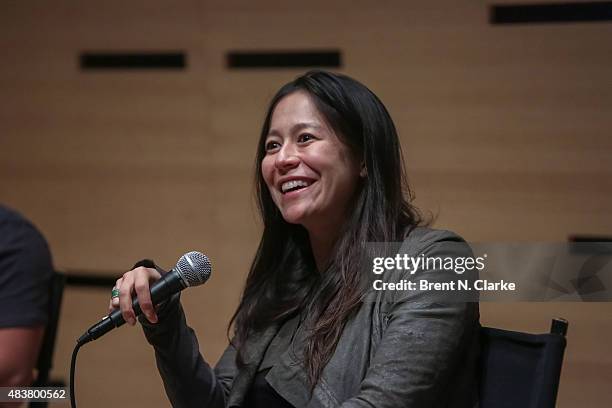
(330,179)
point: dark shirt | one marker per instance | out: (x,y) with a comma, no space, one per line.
(262,395)
(25,272)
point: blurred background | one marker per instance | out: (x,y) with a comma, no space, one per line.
(506,130)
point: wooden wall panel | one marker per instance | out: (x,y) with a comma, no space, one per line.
(505,132)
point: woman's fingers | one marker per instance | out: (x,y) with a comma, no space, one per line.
(114,301)
(125,297)
(141,285)
(135,281)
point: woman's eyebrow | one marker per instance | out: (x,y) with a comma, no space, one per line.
(297,127)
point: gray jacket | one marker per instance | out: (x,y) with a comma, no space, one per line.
(401,349)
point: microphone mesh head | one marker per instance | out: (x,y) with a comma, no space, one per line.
(194,267)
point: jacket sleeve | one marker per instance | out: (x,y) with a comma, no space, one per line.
(426,342)
(188,379)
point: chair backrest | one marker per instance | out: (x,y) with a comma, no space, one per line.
(521,369)
(45,357)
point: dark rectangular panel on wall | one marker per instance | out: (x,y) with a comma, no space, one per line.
(551,12)
(132,60)
(592,244)
(283,59)
(590,238)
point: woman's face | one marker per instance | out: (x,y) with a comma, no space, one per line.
(311,174)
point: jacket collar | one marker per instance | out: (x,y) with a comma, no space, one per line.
(253,355)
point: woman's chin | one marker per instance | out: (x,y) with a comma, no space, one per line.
(293,220)
(294,216)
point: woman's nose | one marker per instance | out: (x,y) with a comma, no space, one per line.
(286,158)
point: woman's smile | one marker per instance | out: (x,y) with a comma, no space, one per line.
(294,184)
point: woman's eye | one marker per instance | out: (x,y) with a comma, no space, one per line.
(305,137)
(271,145)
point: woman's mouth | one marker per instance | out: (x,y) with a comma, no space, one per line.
(294,186)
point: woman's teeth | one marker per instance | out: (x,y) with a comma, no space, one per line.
(293,184)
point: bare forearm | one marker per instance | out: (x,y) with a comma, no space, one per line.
(19,347)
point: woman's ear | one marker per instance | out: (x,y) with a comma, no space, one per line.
(363,172)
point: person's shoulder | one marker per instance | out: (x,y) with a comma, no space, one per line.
(427,241)
(20,235)
(8,215)
(423,237)
(15,221)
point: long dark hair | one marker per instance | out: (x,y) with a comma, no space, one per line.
(283,279)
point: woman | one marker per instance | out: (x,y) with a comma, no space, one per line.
(329,179)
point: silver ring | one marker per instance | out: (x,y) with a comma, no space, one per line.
(114,293)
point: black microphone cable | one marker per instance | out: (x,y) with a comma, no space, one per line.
(72,370)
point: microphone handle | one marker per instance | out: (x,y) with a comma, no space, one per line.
(168,285)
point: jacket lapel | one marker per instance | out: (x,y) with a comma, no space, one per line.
(254,352)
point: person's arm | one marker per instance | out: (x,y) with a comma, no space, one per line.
(425,339)
(412,367)
(25,270)
(18,355)
(189,381)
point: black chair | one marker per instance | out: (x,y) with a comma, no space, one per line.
(45,357)
(521,369)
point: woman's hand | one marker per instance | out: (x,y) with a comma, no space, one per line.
(137,280)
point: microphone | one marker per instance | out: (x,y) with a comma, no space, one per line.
(192,269)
